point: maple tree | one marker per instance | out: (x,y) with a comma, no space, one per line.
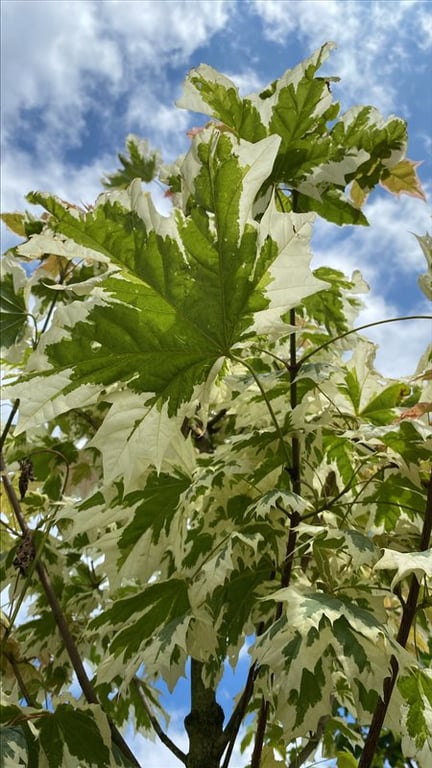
(205,455)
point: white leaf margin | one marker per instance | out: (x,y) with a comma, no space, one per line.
(135,435)
(406,563)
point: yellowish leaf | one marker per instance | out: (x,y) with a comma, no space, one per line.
(403,179)
(416,411)
(14,222)
(358,194)
(346,760)
(53,264)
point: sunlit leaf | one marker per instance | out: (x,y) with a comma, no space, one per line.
(142,163)
(13,311)
(425,281)
(405,563)
(402,178)
(417,716)
(198,310)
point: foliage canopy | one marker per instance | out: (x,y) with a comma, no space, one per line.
(205,454)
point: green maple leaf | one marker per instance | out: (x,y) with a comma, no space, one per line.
(417,715)
(70,733)
(406,563)
(13,311)
(187,289)
(155,508)
(142,163)
(153,615)
(316,159)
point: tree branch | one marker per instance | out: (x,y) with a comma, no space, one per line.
(136,682)
(408,615)
(31,702)
(310,747)
(361,328)
(9,424)
(294,471)
(260,733)
(233,726)
(62,625)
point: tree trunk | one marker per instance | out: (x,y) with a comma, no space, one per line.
(204,723)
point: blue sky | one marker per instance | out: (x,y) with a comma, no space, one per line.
(79,75)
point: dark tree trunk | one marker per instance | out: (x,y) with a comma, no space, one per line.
(204,723)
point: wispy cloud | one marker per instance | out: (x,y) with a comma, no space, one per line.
(65,48)
(375,39)
(52,53)
(386,249)
(155,755)
(247,81)
(71,65)
(400,344)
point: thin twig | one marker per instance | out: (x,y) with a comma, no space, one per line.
(165,739)
(55,453)
(260,733)
(62,625)
(267,402)
(408,615)
(9,423)
(30,701)
(233,726)
(362,328)
(62,279)
(294,471)
(310,747)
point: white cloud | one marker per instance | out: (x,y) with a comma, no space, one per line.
(156,31)
(375,40)
(386,251)
(61,62)
(247,81)
(390,259)
(78,185)
(52,53)
(400,344)
(56,53)
(425,30)
(156,755)
(166,121)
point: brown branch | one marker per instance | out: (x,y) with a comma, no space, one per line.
(30,701)
(293,368)
(260,733)
(294,469)
(13,499)
(233,726)
(310,747)
(408,615)
(62,625)
(137,683)
(9,423)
